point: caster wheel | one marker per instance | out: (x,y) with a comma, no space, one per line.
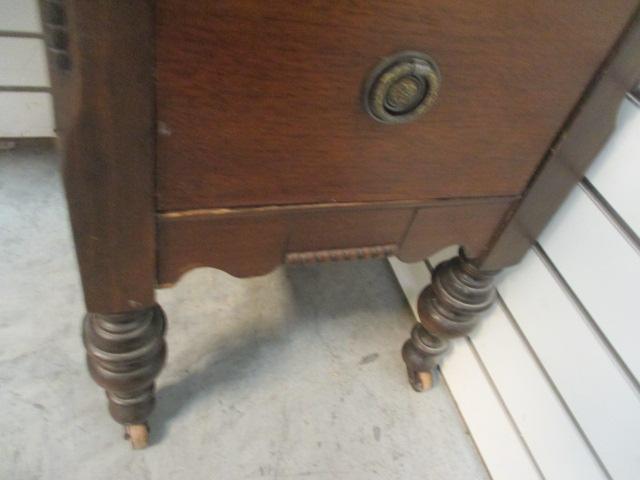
(137,434)
(421,381)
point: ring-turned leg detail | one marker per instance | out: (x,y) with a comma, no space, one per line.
(125,353)
(422,353)
(447,308)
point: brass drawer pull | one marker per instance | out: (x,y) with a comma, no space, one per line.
(402,87)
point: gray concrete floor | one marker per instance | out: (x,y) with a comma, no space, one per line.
(296,374)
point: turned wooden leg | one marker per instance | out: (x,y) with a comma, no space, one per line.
(125,353)
(447,308)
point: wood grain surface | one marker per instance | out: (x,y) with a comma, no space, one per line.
(259,103)
(253,241)
(104,106)
(584,134)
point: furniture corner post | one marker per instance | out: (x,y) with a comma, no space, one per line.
(449,307)
(101,64)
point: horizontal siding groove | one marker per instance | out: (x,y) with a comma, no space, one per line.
(562,283)
(24,89)
(616,168)
(535,407)
(443,381)
(612,215)
(588,377)
(497,394)
(552,384)
(601,267)
(12,34)
(499,444)
(502,403)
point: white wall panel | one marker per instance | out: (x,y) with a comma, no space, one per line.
(585,373)
(545,425)
(26,114)
(23,113)
(601,267)
(23,62)
(616,171)
(497,440)
(19,16)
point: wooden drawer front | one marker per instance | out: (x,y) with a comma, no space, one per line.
(259,103)
(253,241)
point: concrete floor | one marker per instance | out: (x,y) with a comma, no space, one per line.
(295,374)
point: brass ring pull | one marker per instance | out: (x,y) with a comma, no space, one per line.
(402,87)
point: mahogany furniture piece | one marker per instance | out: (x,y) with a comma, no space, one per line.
(241,134)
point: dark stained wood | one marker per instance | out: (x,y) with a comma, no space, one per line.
(449,307)
(459,292)
(125,353)
(572,153)
(104,103)
(347,229)
(469,225)
(253,241)
(247,242)
(100,56)
(260,102)
(266,155)
(422,353)
(241,246)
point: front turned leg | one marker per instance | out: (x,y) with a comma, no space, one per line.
(125,353)
(448,308)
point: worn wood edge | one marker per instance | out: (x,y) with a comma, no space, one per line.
(312,207)
(575,147)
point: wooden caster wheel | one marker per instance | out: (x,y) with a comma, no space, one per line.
(421,381)
(137,434)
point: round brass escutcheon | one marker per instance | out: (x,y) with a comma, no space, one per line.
(402,87)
